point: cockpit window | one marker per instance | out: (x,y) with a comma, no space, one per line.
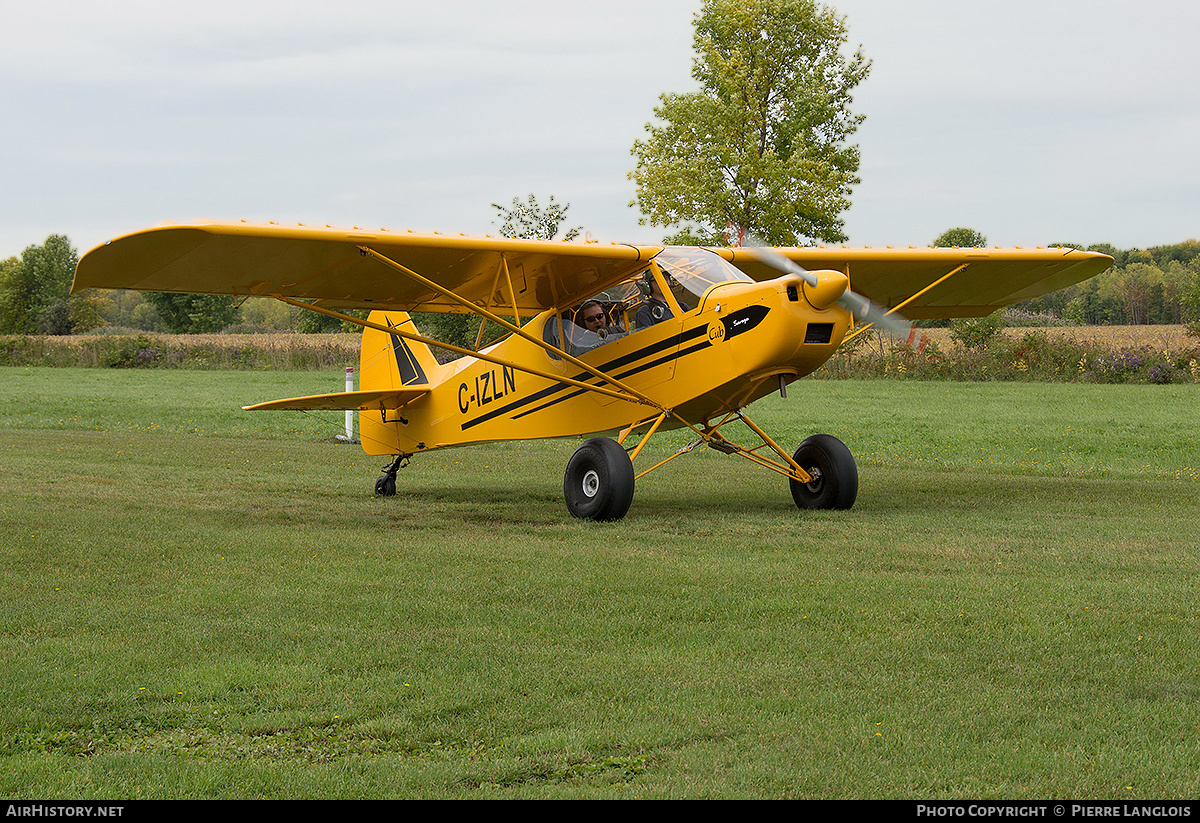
(697,270)
(637,303)
(596,321)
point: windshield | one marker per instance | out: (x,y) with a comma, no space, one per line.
(697,270)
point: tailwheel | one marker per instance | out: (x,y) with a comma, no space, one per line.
(599,481)
(834,474)
(385,486)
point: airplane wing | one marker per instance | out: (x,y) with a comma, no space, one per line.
(328,266)
(980,281)
(367,400)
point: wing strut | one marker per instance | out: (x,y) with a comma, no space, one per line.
(501,269)
(627,391)
(429,341)
(904,303)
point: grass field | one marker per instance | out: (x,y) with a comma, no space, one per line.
(204,602)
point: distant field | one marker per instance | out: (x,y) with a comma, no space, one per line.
(201,602)
(294,351)
(1172,339)
(144,350)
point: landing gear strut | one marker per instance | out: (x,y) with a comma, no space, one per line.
(385,486)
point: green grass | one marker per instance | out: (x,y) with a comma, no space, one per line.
(205,602)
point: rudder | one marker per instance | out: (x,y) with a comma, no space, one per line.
(386,362)
(390,361)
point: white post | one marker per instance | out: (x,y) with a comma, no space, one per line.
(350,414)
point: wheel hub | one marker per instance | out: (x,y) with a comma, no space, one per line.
(591,483)
(816,483)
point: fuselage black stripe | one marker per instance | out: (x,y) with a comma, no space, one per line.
(655,348)
(666,359)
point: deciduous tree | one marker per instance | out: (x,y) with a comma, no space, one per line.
(531,221)
(1190,301)
(526,220)
(35,290)
(960,238)
(194,313)
(762,148)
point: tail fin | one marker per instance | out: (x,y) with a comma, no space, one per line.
(401,370)
(388,361)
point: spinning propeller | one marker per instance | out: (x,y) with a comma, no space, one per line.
(821,290)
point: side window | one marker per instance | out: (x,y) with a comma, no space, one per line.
(644,300)
(656,304)
(589,325)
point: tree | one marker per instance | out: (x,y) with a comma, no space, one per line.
(8,270)
(530,221)
(1136,288)
(1190,303)
(194,313)
(312,322)
(1091,305)
(1176,278)
(89,309)
(960,238)
(35,291)
(761,149)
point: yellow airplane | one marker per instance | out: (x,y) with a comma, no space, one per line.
(617,339)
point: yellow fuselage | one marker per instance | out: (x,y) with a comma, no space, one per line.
(730,350)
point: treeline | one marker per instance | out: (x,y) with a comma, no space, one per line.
(35,299)
(1144,287)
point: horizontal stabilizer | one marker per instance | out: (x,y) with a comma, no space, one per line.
(370,400)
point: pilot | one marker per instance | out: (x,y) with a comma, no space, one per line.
(592,317)
(654,308)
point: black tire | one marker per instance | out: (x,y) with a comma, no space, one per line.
(598,484)
(835,475)
(386,486)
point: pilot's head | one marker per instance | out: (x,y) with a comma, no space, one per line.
(592,316)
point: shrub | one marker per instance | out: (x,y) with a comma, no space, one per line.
(130,352)
(976,332)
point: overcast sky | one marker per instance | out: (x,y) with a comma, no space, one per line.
(1032,121)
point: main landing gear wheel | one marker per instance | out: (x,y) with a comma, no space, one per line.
(834,475)
(599,481)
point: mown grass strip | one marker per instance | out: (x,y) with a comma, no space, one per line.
(194,607)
